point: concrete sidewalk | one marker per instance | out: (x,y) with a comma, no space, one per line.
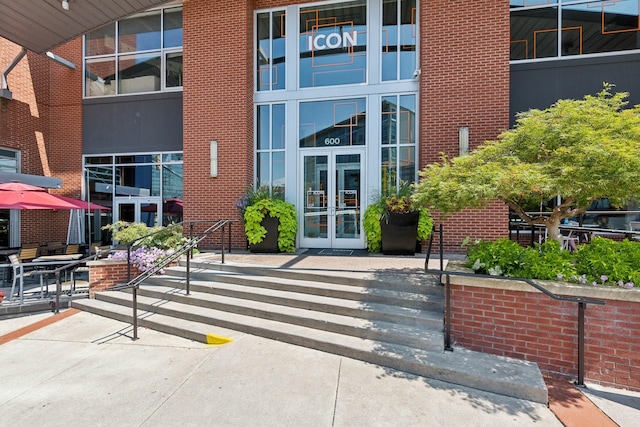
(85,370)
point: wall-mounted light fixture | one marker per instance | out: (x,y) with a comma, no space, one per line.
(463,140)
(213,157)
(65,4)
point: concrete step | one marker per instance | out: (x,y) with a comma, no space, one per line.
(425,296)
(500,375)
(419,333)
(396,280)
(303,297)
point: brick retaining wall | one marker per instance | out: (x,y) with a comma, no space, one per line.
(513,319)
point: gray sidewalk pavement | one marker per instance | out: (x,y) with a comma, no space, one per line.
(85,370)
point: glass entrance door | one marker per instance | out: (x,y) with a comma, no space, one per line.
(138,209)
(331,199)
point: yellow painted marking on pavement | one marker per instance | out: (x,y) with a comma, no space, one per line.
(213,339)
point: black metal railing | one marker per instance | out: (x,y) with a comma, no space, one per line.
(186,248)
(582,302)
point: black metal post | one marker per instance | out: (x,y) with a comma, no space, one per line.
(441,249)
(429,245)
(229,237)
(447,314)
(128,263)
(58,291)
(135,312)
(581,308)
(188,284)
(222,246)
(191,236)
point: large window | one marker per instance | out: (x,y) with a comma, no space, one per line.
(270,150)
(270,55)
(562,28)
(139,54)
(398,129)
(334,123)
(333,44)
(399,35)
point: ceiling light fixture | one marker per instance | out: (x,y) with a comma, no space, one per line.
(65,4)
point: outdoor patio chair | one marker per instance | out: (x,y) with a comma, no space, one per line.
(20,274)
(72,249)
(634,226)
(27,253)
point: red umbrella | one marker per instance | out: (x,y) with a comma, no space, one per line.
(16,195)
(81,204)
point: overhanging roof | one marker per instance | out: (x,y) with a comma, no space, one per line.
(41,25)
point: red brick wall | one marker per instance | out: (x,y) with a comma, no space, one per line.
(464,51)
(44,122)
(218,105)
(106,273)
(535,327)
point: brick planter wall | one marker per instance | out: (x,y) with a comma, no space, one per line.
(106,273)
(513,319)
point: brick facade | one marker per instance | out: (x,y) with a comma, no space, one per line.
(517,321)
(43,120)
(464,81)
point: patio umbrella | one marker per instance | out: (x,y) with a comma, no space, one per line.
(16,195)
(81,204)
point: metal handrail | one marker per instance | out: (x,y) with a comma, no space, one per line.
(188,246)
(582,302)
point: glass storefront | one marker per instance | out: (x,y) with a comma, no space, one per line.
(338,123)
(136,187)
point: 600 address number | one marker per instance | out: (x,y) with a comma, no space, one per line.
(332,141)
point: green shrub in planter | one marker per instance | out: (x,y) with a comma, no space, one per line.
(285,212)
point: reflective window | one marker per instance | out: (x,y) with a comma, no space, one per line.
(129,56)
(398,41)
(9,161)
(172,27)
(541,29)
(333,123)
(139,73)
(270,155)
(270,55)
(333,44)
(398,130)
(140,32)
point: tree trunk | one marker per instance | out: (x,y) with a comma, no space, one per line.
(553,228)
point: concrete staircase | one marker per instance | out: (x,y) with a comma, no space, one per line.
(395,321)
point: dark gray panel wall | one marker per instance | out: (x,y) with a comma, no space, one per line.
(131,124)
(538,85)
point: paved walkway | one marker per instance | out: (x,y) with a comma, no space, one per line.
(81,369)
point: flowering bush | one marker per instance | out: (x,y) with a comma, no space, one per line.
(603,262)
(144,258)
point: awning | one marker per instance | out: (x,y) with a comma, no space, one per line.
(41,25)
(37,180)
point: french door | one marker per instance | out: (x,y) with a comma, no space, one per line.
(138,209)
(331,198)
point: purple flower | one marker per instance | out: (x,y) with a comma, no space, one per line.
(560,276)
(604,278)
(629,285)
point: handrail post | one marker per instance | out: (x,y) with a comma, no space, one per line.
(58,291)
(135,312)
(441,248)
(429,245)
(581,308)
(188,284)
(230,225)
(222,245)
(128,263)
(191,235)
(447,314)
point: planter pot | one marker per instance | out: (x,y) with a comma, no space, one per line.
(270,242)
(400,233)
(1,295)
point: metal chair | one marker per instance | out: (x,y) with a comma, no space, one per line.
(20,274)
(634,226)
